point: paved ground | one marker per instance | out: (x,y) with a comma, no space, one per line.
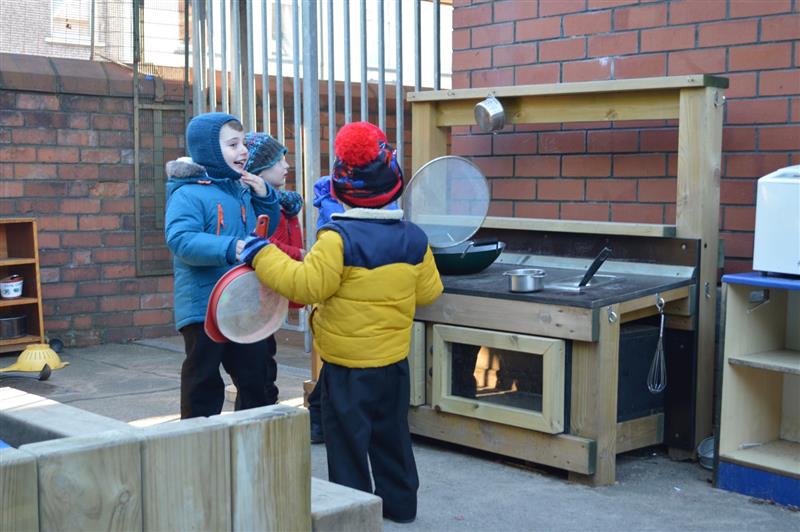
(460,490)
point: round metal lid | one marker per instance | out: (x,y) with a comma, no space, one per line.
(245,319)
(448,198)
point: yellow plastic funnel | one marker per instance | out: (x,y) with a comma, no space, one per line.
(34,357)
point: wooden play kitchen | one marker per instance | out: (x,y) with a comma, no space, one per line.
(555,376)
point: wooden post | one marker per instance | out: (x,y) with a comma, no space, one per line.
(430,141)
(593,410)
(697,216)
(19,493)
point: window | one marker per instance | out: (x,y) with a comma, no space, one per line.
(71,21)
(286,30)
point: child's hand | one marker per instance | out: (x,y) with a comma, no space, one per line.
(239,248)
(252,245)
(256,184)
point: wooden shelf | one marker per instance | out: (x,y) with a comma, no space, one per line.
(778,456)
(15,261)
(18,301)
(18,344)
(781,360)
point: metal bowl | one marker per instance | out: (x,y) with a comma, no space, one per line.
(490,115)
(12,327)
(525,279)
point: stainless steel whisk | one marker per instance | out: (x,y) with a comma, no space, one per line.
(657,377)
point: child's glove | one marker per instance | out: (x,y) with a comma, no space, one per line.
(252,245)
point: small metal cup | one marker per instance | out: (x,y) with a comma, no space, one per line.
(525,280)
(489,114)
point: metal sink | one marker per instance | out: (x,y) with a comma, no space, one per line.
(570,284)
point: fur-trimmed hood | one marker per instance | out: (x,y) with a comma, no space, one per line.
(184,167)
(184,171)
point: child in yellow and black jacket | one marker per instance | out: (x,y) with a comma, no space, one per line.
(366,273)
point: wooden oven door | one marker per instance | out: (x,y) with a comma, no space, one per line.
(500,377)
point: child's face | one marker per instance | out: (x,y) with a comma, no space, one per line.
(231,142)
(276,174)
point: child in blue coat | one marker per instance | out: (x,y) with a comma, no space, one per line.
(212,205)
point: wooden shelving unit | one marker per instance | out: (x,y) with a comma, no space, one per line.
(759,440)
(19,254)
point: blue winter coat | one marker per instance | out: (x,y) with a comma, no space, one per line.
(205,217)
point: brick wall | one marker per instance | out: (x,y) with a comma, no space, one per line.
(626,171)
(67,160)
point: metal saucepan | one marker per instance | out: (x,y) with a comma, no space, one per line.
(489,114)
(468,257)
(525,279)
(12,327)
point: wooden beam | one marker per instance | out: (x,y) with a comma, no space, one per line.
(650,301)
(640,432)
(579,226)
(622,85)
(593,410)
(430,141)
(416,364)
(19,492)
(697,216)
(564,451)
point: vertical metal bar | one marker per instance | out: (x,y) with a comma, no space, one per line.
(348,96)
(279,71)
(417,47)
(249,77)
(381,70)
(364,93)
(437,46)
(212,71)
(296,92)
(236,61)
(398,84)
(223,23)
(331,91)
(185,75)
(197,70)
(137,193)
(91,31)
(265,125)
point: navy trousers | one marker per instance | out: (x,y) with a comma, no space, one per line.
(365,419)
(252,368)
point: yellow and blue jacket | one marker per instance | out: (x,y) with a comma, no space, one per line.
(366,273)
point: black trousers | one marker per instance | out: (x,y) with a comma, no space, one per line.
(252,368)
(315,401)
(365,414)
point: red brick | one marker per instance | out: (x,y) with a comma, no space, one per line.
(514,189)
(80,206)
(670,38)
(78,171)
(537,166)
(693,11)
(640,17)
(613,44)
(708,61)
(585,211)
(33,136)
(514,143)
(57,155)
(492,34)
(118,271)
(122,122)
(741,85)
(12,154)
(587,23)
(739,139)
(657,190)
(731,32)
(737,265)
(635,213)
(96,223)
(156,301)
(761,111)
(557,7)
(536,209)
(76,102)
(112,255)
(496,77)
(516,54)
(739,218)
(586,166)
(607,4)
(501,208)
(119,239)
(152,317)
(779,138)
(608,141)
(611,190)
(78,121)
(795,117)
(77,137)
(100,155)
(40,189)
(495,166)
(82,322)
(562,49)
(659,140)
(472,16)
(515,10)
(560,189)
(760,56)
(778,82)
(461,39)
(750,8)
(11,118)
(118,303)
(738,245)
(46,102)
(640,66)
(737,192)
(460,80)
(472,59)
(538,29)
(35,171)
(533,74)
(84,273)
(11,189)
(753,164)
(471,145)
(639,165)
(120,206)
(594,69)
(562,142)
(81,240)
(108,189)
(59,290)
(783,28)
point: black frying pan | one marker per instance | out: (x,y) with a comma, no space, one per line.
(468,257)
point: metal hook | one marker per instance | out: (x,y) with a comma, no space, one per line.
(660,303)
(612,316)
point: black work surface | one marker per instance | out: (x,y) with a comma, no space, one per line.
(492,283)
